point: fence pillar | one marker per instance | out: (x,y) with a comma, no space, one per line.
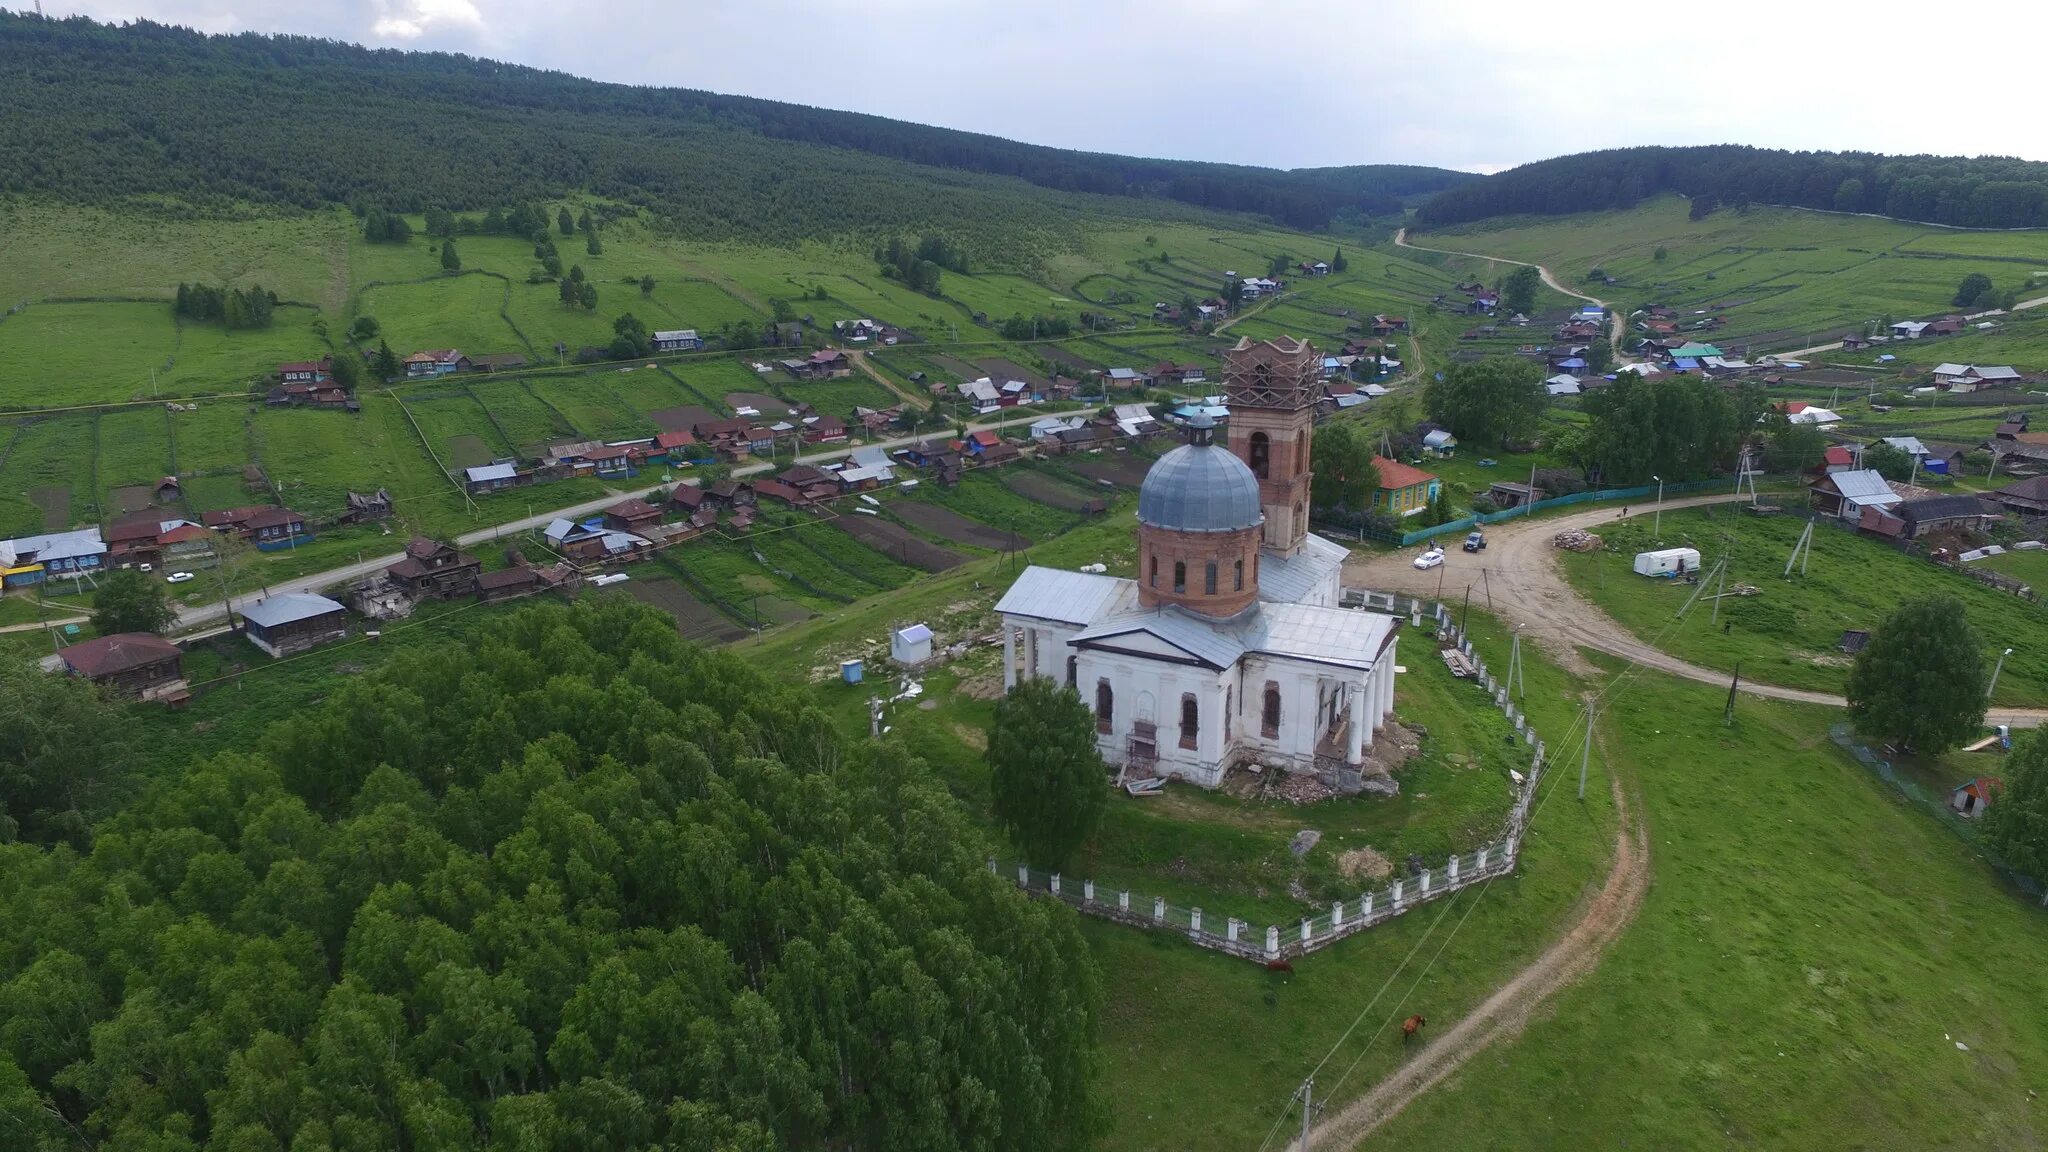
(1272,943)
(1507,852)
(1425,881)
(1055,884)
(1538,762)
(1482,859)
(1159,908)
(1530,735)
(1230,929)
(1451,870)
(1466,643)
(1123,901)
(1087,891)
(1520,726)
(1307,931)
(1023,875)
(1397,893)
(1365,906)
(1195,920)
(1336,915)
(1500,698)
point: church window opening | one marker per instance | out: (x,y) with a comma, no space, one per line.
(1209,579)
(1190,721)
(1269,720)
(1240,577)
(1180,576)
(1105,707)
(1261,453)
(1073,670)
(1155,571)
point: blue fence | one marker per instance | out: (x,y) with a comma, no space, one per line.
(1466,524)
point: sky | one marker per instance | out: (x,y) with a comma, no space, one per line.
(1479,85)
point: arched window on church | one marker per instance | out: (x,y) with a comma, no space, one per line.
(1261,453)
(1240,577)
(1209,579)
(1190,721)
(1073,670)
(1180,576)
(1105,707)
(1155,570)
(1269,718)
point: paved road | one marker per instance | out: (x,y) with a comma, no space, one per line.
(1520,570)
(2034,303)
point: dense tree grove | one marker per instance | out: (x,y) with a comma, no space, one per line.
(1979,192)
(920,265)
(231,307)
(129,600)
(573,884)
(1487,402)
(381,227)
(1518,290)
(1922,679)
(64,755)
(1677,427)
(101,112)
(1047,781)
(1341,457)
(2017,823)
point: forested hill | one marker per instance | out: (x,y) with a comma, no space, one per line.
(1983,192)
(98,110)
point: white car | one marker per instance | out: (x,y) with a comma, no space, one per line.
(177,577)
(1430,559)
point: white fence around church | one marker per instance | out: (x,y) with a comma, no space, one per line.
(1268,943)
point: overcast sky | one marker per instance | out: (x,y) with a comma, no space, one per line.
(1479,85)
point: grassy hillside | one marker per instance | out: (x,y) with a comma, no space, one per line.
(1781,277)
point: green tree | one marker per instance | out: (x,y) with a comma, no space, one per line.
(1338,263)
(1974,288)
(1518,290)
(565,222)
(450,262)
(346,368)
(586,295)
(1048,782)
(1790,447)
(584,223)
(1661,254)
(2017,823)
(384,365)
(1489,401)
(647,285)
(130,601)
(1887,461)
(1921,681)
(1341,455)
(592,245)
(64,756)
(365,328)
(629,338)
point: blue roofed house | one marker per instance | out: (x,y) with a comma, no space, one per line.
(52,555)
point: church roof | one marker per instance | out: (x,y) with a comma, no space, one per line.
(1066,597)
(1291,579)
(1200,488)
(1341,637)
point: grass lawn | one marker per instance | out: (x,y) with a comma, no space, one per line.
(1805,965)
(1787,633)
(2031,566)
(445,312)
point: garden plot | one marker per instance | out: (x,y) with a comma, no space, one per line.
(900,544)
(1043,488)
(683,418)
(953,526)
(46,481)
(996,368)
(1123,469)
(695,620)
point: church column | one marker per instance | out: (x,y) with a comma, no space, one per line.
(1384,675)
(1030,652)
(1009,656)
(1354,735)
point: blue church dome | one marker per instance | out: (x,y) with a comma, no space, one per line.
(1200,487)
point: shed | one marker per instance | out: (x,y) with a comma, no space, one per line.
(1972,797)
(1668,562)
(911,645)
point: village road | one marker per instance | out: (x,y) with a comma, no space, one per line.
(1520,575)
(1617,324)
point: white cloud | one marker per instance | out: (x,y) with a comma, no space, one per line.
(1482,84)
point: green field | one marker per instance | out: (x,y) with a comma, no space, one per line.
(1781,277)
(1786,634)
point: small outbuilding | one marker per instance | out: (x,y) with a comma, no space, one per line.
(1972,797)
(1668,562)
(911,645)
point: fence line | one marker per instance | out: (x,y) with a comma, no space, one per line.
(1240,937)
(1937,806)
(1466,523)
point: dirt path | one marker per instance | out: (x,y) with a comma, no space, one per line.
(860,361)
(1509,1010)
(1617,325)
(1519,571)
(2022,305)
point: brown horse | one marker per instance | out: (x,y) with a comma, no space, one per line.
(1411,1026)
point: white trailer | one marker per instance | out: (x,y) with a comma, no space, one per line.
(1668,562)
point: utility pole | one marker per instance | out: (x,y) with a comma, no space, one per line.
(1720,589)
(1465,613)
(1586,753)
(1308,1109)
(1728,713)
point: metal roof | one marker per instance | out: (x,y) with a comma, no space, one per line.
(1200,488)
(1291,579)
(1213,642)
(1863,486)
(1438,439)
(54,546)
(1343,637)
(1910,445)
(288,608)
(915,634)
(491,472)
(1067,597)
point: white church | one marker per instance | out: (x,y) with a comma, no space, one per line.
(1229,647)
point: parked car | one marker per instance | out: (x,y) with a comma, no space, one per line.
(1475,542)
(177,577)
(1430,559)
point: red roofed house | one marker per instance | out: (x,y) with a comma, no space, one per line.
(829,363)
(978,443)
(677,443)
(431,568)
(1403,491)
(305,371)
(136,665)
(635,516)
(1838,458)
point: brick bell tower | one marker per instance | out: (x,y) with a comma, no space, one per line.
(1272,387)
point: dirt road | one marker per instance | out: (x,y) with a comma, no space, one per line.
(1617,325)
(1519,569)
(1504,1014)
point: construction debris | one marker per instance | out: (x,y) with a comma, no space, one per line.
(1300,788)
(1303,841)
(1744,590)
(1576,540)
(1149,786)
